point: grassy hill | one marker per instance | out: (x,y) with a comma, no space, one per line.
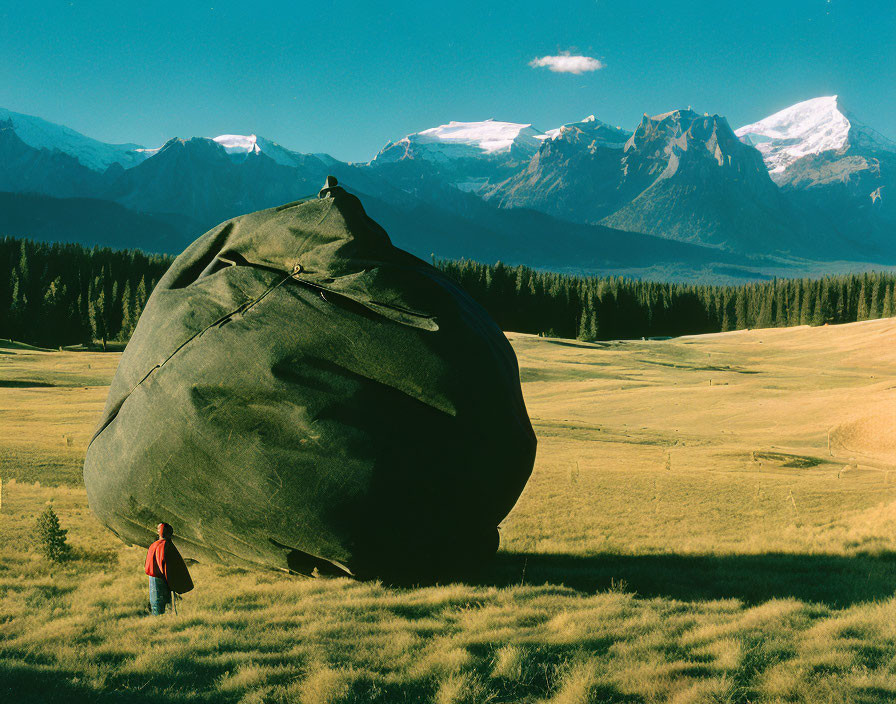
(710,519)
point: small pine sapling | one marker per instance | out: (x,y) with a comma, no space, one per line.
(51,537)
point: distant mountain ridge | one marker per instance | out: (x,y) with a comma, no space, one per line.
(809,181)
(688,177)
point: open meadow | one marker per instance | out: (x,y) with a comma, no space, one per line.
(710,519)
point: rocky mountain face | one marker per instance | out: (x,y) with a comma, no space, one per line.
(688,177)
(680,175)
(573,175)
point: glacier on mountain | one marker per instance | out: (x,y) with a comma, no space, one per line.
(489,136)
(464,140)
(810,127)
(242,144)
(238,143)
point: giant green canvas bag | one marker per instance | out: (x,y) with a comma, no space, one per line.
(299,394)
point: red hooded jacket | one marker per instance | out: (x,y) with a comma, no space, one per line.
(163,560)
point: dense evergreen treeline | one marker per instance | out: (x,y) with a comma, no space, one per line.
(607,308)
(62,294)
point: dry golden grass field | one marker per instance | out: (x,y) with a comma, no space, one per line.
(710,519)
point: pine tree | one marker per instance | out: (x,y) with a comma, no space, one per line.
(113,312)
(740,310)
(80,321)
(849,300)
(52,313)
(726,316)
(874,307)
(840,310)
(793,318)
(50,537)
(754,306)
(862,309)
(140,296)
(593,328)
(818,313)
(822,313)
(128,317)
(777,316)
(807,307)
(18,304)
(582,332)
(588,329)
(888,303)
(101,331)
(24,269)
(764,317)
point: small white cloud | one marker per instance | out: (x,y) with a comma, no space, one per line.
(567,63)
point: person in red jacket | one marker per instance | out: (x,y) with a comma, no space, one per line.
(167,571)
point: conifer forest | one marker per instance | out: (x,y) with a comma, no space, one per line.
(67,294)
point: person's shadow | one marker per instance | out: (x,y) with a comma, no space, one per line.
(833,580)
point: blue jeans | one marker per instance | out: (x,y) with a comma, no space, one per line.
(159,595)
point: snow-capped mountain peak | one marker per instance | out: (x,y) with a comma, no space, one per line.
(601,133)
(245,144)
(490,136)
(96,155)
(554,133)
(239,143)
(464,140)
(809,127)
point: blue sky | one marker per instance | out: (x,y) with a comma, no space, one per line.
(345,77)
